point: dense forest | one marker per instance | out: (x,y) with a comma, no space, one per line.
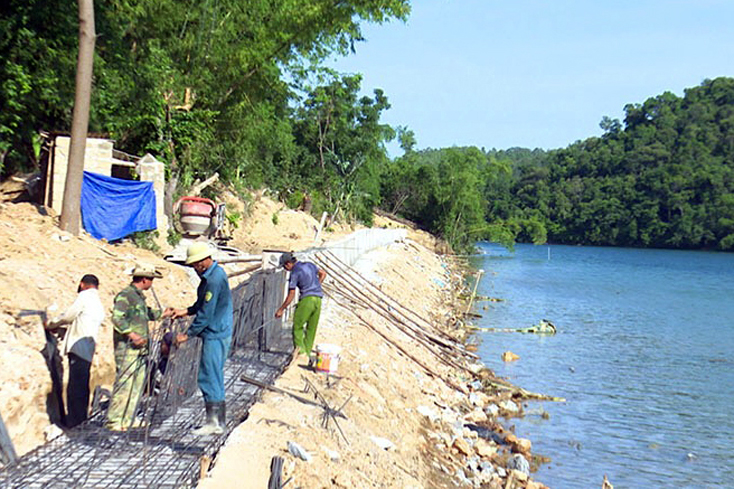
(244,89)
(664,178)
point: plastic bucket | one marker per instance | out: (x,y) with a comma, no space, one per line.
(327,357)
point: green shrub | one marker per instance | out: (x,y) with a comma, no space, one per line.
(294,199)
(174,237)
(146,240)
(234,218)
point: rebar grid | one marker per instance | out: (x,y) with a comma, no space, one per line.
(164,453)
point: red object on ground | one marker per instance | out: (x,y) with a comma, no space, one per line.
(195,214)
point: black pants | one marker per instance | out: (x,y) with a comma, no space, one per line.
(77,391)
(55,399)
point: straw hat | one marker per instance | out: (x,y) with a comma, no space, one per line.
(197,252)
(146,270)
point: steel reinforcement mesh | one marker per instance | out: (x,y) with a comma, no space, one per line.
(164,453)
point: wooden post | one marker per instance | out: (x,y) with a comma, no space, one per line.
(321,225)
(471,299)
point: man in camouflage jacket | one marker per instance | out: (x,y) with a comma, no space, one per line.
(130,316)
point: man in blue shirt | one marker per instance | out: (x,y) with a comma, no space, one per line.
(307,277)
(213,324)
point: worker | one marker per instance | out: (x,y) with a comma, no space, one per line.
(213,324)
(130,316)
(308,278)
(84,317)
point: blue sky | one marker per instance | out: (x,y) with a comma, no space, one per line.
(535,73)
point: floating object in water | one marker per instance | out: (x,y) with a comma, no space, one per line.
(508,356)
(543,327)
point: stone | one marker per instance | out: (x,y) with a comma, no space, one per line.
(427,412)
(463,446)
(492,410)
(483,399)
(484,449)
(473,398)
(476,416)
(496,482)
(534,485)
(473,464)
(509,406)
(508,356)
(298,451)
(519,476)
(519,463)
(383,443)
(522,445)
(332,454)
(487,466)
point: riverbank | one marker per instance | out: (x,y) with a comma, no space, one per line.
(410,419)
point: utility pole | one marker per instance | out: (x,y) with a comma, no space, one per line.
(71,207)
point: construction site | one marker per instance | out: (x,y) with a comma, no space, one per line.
(408,406)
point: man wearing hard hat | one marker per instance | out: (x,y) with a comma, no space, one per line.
(213,324)
(130,316)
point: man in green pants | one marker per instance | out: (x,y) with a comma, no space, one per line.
(130,316)
(307,277)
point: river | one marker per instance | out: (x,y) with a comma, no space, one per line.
(644,357)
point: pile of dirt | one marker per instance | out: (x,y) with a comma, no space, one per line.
(267,224)
(41,265)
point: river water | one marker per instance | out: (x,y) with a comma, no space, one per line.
(644,357)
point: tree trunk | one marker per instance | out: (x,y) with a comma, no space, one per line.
(71,208)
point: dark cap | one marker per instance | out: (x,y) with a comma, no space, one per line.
(287,258)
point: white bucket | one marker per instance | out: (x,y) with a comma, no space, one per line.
(327,357)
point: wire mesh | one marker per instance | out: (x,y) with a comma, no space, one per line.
(164,453)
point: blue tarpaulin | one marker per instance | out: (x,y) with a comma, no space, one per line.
(113,208)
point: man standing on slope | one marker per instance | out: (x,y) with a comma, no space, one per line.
(85,316)
(213,324)
(130,316)
(307,277)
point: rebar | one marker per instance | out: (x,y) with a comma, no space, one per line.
(164,453)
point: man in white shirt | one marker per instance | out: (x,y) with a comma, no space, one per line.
(84,316)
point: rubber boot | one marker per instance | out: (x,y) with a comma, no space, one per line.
(222,415)
(211,425)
